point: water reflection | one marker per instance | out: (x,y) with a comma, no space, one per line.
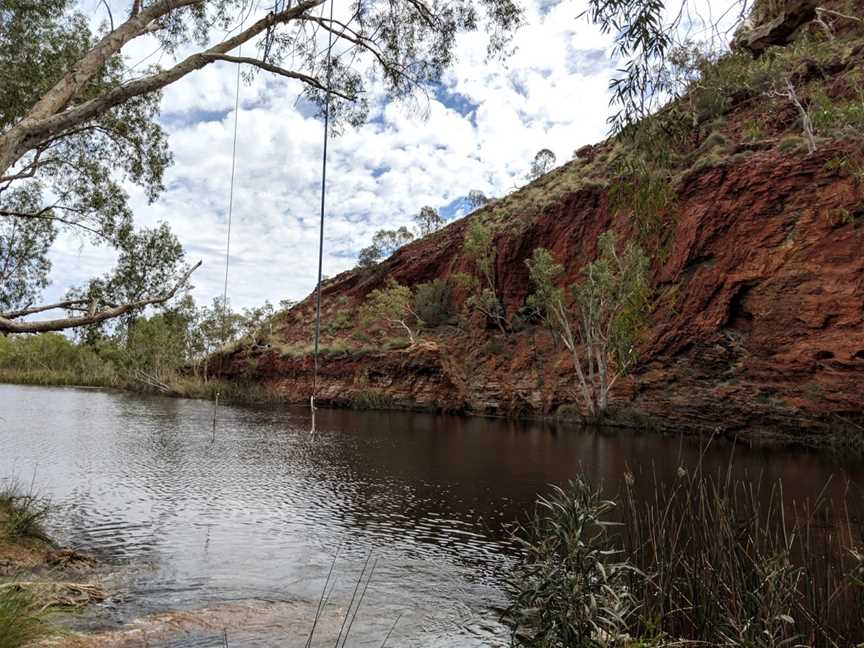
(258,509)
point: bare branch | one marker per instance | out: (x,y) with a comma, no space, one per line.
(9,325)
(44,214)
(70,304)
(837,14)
(305,78)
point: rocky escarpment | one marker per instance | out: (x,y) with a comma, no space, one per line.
(758,273)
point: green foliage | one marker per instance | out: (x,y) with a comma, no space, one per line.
(76,182)
(384,243)
(697,560)
(340,321)
(542,164)
(148,262)
(571,587)
(393,304)
(835,117)
(480,249)
(50,358)
(792,144)
(147,352)
(371,400)
(22,516)
(713,141)
(432,303)
(24,246)
(643,170)
(428,220)
(22,619)
(606,314)
(615,294)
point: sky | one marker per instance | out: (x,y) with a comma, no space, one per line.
(479,130)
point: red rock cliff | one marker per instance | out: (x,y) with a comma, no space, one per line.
(758,277)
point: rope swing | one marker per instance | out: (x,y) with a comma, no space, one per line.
(320,230)
(228,233)
(321,227)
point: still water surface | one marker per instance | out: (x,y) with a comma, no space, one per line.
(184,521)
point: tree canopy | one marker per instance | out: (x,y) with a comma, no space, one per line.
(78,125)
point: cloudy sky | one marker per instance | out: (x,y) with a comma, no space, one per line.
(480,130)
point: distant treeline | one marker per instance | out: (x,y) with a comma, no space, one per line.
(169,352)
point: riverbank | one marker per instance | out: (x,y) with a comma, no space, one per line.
(833,434)
(37,577)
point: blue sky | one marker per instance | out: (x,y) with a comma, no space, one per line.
(479,130)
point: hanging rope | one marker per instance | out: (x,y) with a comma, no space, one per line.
(228,234)
(321,228)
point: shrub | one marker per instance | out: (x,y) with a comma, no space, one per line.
(831,116)
(571,587)
(394,305)
(22,515)
(371,400)
(360,336)
(341,321)
(713,141)
(707,162)
(696,560)
(792,144)
(432,303)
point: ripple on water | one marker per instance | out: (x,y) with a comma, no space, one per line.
(257,514)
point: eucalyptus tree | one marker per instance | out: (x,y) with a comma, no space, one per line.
(77,123)
(542,164)
(428,221)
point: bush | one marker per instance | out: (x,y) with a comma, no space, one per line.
(792,144)
(697,560)
(432,303)
(571,588)
(21,516)
(371,400)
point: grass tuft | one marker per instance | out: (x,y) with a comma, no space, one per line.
(371,400)
(22,620)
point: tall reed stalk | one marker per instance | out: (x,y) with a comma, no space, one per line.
(703,559)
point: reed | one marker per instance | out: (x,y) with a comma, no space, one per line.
(700,560)
(22,515)
(21,619)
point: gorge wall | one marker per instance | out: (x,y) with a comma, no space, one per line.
(757,323)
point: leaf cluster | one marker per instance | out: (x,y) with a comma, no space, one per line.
(570,588)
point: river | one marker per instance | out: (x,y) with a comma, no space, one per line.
(185,519)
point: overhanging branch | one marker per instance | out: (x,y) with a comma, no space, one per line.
(275,69)
(10,325)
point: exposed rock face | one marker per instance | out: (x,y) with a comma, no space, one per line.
(759,283)
(774,26)
(759,323)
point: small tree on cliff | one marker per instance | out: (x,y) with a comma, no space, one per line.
(479,247)
(393,304)
(384,244)
(604,319)
(428,221)
(542,164)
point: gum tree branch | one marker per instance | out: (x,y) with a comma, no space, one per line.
(10,325)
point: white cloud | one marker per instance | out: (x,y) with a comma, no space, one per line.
(550,93)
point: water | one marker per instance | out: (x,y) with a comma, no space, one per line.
(184,522)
